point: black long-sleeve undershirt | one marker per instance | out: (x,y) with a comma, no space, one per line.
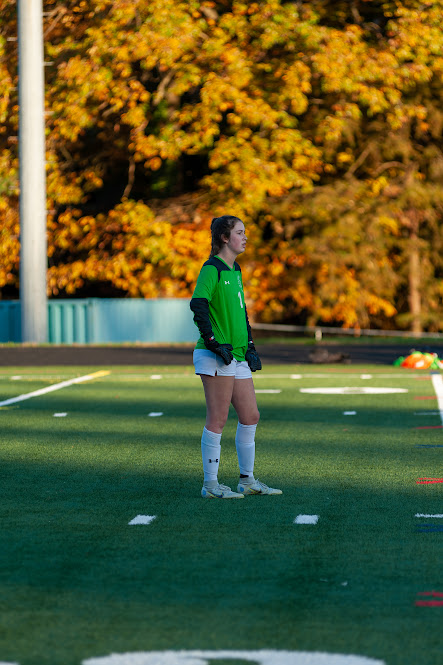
(200,308)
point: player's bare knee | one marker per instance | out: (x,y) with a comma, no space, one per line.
(216,422)
(252,418)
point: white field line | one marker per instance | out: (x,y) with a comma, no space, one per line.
(261,657)
(348,390)
(191,375)
(271,391)
(306,519)
(142,519)
(437,382)
(57,386)
(337,375)
(426,413)
(425,515)
(31,377)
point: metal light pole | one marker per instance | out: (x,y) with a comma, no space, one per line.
(33,244)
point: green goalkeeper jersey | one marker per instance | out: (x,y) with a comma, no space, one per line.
(222,287)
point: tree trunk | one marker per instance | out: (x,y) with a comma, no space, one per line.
(414,285)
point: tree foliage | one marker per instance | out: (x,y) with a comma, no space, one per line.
(319,123)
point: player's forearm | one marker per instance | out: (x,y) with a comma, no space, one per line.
(250,340)
(200,309)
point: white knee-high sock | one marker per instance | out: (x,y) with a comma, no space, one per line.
(245,444)
(210,454)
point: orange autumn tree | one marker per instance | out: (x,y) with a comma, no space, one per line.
(158,118)
(388,157)
(302,118)
(370,232)
(9,223)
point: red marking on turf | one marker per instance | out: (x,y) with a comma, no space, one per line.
(429,427)
(425,397)
(430,603)
(427,481)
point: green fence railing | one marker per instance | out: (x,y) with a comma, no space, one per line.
(107,321)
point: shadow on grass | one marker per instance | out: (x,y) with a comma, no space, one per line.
(77,580)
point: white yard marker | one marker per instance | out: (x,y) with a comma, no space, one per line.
(57,386)
(155,414)
(429,516)
(306,519)
(349,413)
(60,415)
(156,376)
(143,519)
(437,382)
(269,392)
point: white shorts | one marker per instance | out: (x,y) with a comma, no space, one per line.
(207,362)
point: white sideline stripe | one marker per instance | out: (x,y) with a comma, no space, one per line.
(269,392)
(188,375)
(306,519)
(57,386)
(335,375)
(349,413)
(427,516)
(437,382)
(60,415)
(155,414)
(143,519)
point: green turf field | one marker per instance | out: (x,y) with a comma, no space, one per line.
(79,583)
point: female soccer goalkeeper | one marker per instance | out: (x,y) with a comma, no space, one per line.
(224,357)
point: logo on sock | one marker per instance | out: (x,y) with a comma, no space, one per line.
(213,460)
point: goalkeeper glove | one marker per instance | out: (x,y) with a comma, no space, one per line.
(222,350)
(252,358)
